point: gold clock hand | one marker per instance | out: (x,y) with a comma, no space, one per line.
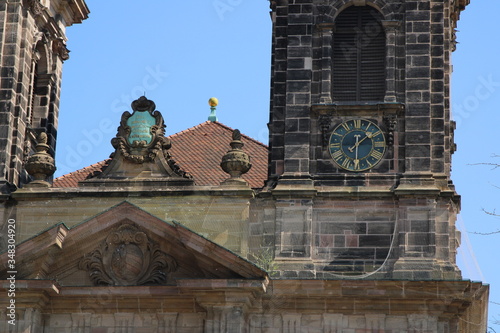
(357,144)
(368,135)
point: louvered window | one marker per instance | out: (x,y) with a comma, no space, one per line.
(358,56)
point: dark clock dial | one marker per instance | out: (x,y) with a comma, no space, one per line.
(357,145)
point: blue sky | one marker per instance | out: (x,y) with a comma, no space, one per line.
(182,53)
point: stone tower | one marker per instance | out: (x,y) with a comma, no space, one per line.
(33,41)
(361,138)
(353,232)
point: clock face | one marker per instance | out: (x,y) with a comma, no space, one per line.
(357,145)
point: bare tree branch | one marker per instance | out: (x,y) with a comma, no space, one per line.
(485,233)
(494,165)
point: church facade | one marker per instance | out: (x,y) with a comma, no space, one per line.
(344,223)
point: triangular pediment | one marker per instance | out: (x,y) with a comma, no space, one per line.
(126,246)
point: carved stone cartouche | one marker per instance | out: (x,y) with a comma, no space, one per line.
(141,156)
(128,257)
(141,133)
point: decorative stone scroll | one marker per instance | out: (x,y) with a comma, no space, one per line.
(127,258)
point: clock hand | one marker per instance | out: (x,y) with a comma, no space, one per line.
(368,135)
(357,144)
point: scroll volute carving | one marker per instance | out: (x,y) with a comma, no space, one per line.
(128,257)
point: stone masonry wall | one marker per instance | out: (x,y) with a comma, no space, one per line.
(420,39)
(31,58)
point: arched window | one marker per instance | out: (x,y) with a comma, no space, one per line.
(41,88)
(358,56)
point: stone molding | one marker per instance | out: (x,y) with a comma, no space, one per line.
(290,304)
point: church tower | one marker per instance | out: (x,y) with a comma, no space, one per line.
(33,49)
(361,138)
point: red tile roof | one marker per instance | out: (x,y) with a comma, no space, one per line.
(198,151)
(72,179)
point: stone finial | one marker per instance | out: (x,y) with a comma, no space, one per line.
(40,165)
(236,162)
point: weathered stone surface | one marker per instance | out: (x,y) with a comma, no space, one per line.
(346,251)
(30,101)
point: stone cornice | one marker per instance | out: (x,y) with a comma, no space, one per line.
(129,191)
(445,299)
(238,192)
(457,7)
(79,10)
(353,109)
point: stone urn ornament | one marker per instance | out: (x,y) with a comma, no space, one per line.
(236,162)
(40,165)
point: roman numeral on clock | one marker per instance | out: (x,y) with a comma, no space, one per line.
(337,155)
(346,163)
(356,164)
(376,155)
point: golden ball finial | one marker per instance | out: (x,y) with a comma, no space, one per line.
(213,102)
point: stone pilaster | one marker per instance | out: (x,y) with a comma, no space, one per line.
(391,33)
(294,237)
(278,89)
(167,322)
(81,322)
(326,31)
(298,92)
(418,87)
(334,322)
(291,322)
(224,319)
(422,323)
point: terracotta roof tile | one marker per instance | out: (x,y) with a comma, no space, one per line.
(198,151)
(72,179)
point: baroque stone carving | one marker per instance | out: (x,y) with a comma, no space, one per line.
(128,257)
(325,122)
(391,123)
(141,133)
(236,162)
(40,165)
(36,7)
(59,48)
(141,155)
